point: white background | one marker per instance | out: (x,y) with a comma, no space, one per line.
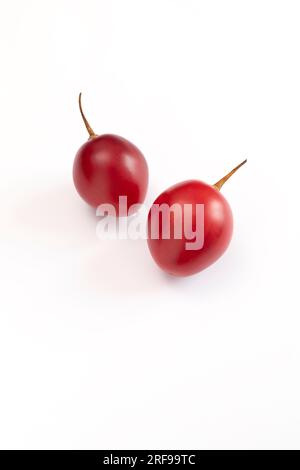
(98,347)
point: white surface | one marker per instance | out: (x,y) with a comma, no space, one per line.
(100,349)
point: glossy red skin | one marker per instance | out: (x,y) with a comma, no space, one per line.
(109,166)
(171,254)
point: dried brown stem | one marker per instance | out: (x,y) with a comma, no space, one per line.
(88,127)
(223,180)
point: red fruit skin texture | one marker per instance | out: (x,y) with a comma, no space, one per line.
(109,166)
(171,254)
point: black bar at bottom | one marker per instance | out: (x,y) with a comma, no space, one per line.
(136,458)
